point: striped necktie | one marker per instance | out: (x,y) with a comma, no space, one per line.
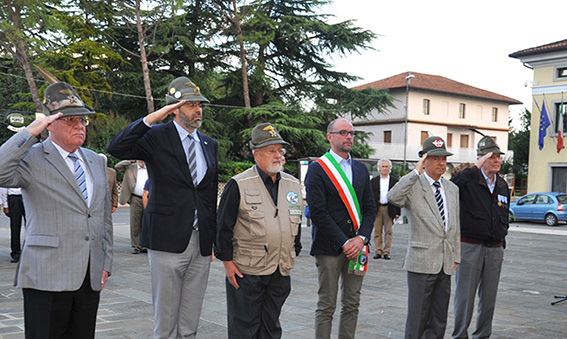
(192,161)
(439,199)
(79,175)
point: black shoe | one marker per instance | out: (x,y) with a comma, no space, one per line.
(387,256)
(15,259)
(144,250)
(377,256)
(135,251)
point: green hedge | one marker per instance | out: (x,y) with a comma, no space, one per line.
(229,169)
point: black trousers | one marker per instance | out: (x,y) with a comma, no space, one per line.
(254,309)
(61,315)
(17,213)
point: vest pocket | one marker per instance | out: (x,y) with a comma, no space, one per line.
(295,223)
(251,255)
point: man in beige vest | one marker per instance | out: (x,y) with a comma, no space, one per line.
(258,237)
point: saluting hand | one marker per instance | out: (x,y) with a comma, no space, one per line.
(39,125)
(163,112)
(482,160)
(419,167)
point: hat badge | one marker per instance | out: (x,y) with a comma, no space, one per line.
(438,143)
(271,130)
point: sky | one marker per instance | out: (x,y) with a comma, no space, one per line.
(466,41)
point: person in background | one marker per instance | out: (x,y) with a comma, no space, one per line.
(341,230)
(485,202)
(135,176)
(146,195)
(432,206)
(112,183)
(67,254)
(386,212)
(14,209)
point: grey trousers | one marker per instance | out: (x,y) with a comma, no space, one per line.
(428,305)
(479,270)
(179,282)
(330,269)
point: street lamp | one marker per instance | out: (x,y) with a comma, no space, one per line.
(408,78)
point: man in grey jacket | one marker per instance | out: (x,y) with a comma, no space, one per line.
(67,254)
(432,206)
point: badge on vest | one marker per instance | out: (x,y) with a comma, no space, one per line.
(292,197)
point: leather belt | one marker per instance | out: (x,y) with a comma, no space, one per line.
(383,204)
(139,196)
(486,243)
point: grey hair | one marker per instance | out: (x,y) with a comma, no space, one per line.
(385,160)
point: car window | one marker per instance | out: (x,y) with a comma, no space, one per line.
(528,199)
(562,199)
(543,199)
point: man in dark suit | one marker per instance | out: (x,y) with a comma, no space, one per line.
(340,228)
(179,223)
(386,212)
(67,254)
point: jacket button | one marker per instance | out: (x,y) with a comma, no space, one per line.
(349,221)
(86,238)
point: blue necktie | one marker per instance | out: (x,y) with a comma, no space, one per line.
(439,199)
(79,175)
(192,161)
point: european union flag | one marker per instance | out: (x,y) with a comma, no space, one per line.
(543,125)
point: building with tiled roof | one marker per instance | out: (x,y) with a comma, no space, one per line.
(547,169)
(435,105)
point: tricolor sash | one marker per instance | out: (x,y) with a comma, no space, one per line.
(334,171)
(343,186)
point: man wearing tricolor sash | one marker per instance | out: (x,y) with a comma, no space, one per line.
(342,210)
(432,207)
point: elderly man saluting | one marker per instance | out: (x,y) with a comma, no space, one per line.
(259,231)
(67,254)
(432,204)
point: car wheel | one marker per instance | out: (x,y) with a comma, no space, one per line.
(510,218)
(551,219)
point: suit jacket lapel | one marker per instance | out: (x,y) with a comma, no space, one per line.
(429,198)
(451,203)
(177,147)
(53,156)
(207,152)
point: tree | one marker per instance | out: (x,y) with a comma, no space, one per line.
(23,27)
(519,142)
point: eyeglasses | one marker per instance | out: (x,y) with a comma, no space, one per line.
(273,152)
(71,121)
(194,104)
(344,133)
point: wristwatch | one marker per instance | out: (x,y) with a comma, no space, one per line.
(365,239)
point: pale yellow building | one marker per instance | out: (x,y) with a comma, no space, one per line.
(439,106)
(547,169)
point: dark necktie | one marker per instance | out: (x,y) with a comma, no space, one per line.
(79,175)
(192,161)
(439,199)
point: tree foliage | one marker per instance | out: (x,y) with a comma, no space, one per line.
(286,46)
